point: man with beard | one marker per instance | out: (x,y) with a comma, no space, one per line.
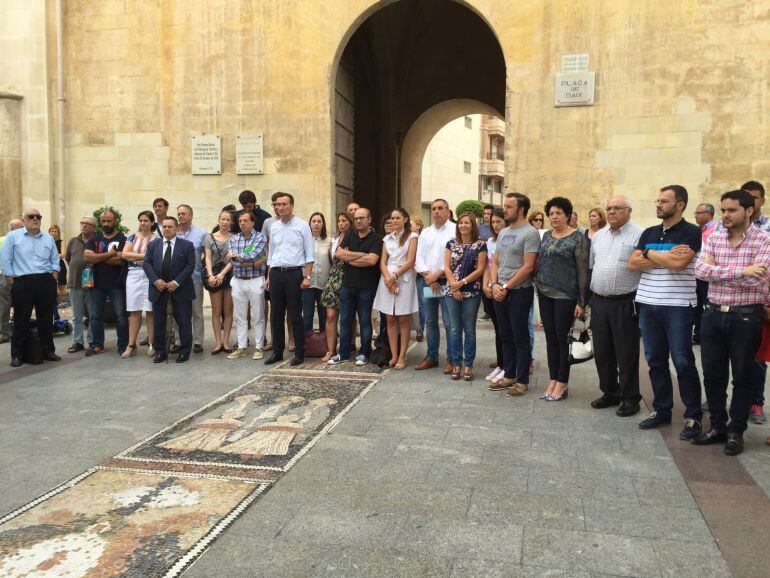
(104,254)
(666,296)
(734,261)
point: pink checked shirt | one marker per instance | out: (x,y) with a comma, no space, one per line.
(726,285)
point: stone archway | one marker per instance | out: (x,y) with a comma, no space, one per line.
(402,67)
(418,138)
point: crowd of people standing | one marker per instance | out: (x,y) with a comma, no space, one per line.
(653,284)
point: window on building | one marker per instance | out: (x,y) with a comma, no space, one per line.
(467,167)
(498,186)
(468,122)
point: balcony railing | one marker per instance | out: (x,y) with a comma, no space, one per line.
(493,167)
(496,156)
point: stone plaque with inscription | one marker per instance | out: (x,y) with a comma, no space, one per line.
(574,89)
(248,154)
(206,154)
(574,63)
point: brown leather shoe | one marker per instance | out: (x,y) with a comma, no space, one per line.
(197,348)
(448,368)
(426,364)
(502,384)
(767,441)
(517,390)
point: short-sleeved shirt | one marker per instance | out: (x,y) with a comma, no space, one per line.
(106,276)
(218,250)
(362,277)
(463,259)
(74,256)
(661,285)
(510,248)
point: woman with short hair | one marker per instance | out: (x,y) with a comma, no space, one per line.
(562,287)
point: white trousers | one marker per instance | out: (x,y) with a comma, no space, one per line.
(249,292)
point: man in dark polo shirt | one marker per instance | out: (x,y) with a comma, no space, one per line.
(360,251)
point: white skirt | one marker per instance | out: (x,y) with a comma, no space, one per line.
(404,303)
(137,288)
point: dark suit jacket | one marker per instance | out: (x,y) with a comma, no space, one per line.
(182,267)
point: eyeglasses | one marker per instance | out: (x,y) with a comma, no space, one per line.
(360,218)
(701,213)
(34,217)
(611,209)
(538,219)
(85,223)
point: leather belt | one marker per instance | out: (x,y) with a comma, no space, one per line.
(733,308)
(285,268)
(616,297)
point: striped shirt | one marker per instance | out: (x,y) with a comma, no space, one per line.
(610,250)
(664,286)
(726,284)
(249,249)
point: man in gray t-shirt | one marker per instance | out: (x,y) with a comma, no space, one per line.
(511,282)
(512,244)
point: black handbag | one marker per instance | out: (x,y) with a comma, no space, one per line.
(216,270)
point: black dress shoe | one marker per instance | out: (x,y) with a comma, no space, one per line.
(655,420)
(182,357)
(627,409)
(734,444)
(604,401)
(297,360)
(712,436)
(274,359)
(159,358)
(51,356)
(15,361)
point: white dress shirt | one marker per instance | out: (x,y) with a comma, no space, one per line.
(431,246)
(291,244)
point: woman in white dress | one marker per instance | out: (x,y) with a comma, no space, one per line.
(137,284)
(397,292)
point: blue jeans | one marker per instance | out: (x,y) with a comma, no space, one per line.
(311,301)
(531,329)
(78,299)
(462,318)
(730,341)
(512,316)
(352,301)
(421,302)
(668,330)
(431,307)
(96,298)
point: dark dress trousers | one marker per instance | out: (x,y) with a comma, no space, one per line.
(180,269)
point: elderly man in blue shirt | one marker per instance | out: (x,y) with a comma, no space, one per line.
(196,236)
(30,264)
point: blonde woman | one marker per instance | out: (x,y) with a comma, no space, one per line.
(218,274)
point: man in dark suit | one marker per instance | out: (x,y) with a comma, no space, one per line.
(169,264)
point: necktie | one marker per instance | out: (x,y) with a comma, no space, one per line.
(166,269)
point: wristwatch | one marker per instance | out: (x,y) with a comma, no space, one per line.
(307,277)
(644,253)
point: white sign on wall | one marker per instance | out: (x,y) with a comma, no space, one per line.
(574,62)
(248,154)
(575,89)
(206,154)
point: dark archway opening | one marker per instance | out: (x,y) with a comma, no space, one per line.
(401,61)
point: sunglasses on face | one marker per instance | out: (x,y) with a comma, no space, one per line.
(35,217)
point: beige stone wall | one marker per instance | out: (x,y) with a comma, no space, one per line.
(681,96)
(24,71)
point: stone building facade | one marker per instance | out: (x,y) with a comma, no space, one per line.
(681,96)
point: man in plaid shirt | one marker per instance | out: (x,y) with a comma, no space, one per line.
(734,262)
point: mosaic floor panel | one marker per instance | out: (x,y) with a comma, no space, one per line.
(346,367)
(111,523)
(154,508)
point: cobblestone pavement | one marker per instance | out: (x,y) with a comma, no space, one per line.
(424,476)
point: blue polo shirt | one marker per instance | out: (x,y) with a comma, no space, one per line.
(663,286)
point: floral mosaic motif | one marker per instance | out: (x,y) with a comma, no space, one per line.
(263,424)
(118,524)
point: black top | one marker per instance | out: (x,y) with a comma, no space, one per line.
(362,277)
(106,276)
(259,215)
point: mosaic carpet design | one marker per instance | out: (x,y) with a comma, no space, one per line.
(346,368)
(109,523)
(154,508)
(263,425)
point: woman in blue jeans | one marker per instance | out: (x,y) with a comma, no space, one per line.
(465,259)
(562,289)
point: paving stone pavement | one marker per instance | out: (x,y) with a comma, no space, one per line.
(424,476)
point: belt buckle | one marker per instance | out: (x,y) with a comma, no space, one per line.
(724,308)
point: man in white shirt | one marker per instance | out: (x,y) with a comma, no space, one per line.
(430,266)
(290,250)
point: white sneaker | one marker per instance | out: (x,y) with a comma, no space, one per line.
(258,354)
(240,352)
(335,360)
(361,360)
(493,374)
(498,377)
